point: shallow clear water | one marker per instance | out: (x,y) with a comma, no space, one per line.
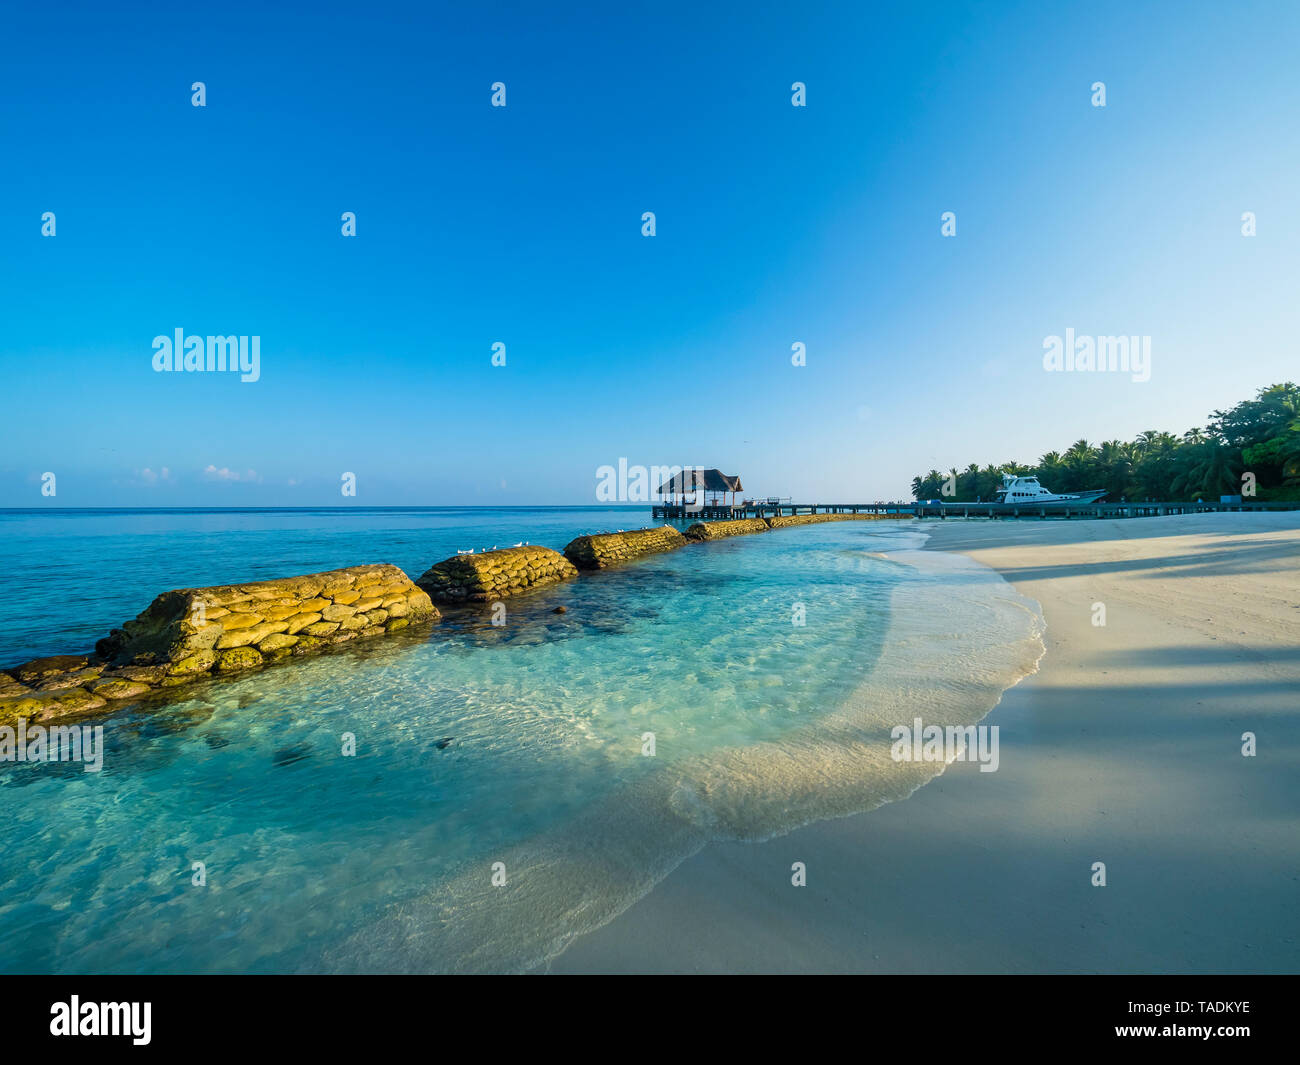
(383,861)
(75,574)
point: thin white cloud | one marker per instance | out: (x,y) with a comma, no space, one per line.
(150,476)
(211,473)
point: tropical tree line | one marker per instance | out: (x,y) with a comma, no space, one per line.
(1252,446)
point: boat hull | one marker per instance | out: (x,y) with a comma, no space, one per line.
(1076,497)
(1053,501)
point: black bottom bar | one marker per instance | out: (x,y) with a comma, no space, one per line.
(1243,1015)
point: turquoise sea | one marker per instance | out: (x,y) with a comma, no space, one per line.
(516,749)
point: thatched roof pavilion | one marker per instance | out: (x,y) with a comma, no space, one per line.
(710,481)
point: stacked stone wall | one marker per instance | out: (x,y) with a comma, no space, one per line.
(491,575)
(609,549)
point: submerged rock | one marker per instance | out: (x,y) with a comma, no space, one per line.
(48,672)
(10,686)
(115,688)
(49,705)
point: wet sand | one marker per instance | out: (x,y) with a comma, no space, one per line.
(1125,748)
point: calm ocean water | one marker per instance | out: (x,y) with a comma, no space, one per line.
(384,861)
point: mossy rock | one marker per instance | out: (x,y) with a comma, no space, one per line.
(237,659)
(49,706)
(787,520)
(188,633)
(718,530)
(601,550)
(76,679)
(492,575)
(42,670)
(299,622)
(232,622)
(193,665)
(149,675)
(254,635)
(11,686)
(116,688)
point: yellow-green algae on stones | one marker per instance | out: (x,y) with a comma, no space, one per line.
(785,521)
(609,549)
(233,627)
(491,575)
(193,632)
(717,530)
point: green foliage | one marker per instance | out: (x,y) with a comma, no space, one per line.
(1260,436)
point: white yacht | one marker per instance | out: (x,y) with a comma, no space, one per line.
(1027,490)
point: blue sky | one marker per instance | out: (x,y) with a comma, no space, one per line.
(522,225)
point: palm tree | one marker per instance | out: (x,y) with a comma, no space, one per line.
(1154,471)
(990,480)
(927,487)
(1115,466)
(1261,434)
(1076,468)
(1207,468)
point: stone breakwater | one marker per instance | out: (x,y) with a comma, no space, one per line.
(717,530)
(492,575)
(609,549)
(193,632)
(813,519)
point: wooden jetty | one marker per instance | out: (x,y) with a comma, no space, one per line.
(771,508)
(697,483)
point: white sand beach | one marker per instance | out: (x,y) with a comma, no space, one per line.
(1125,748)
